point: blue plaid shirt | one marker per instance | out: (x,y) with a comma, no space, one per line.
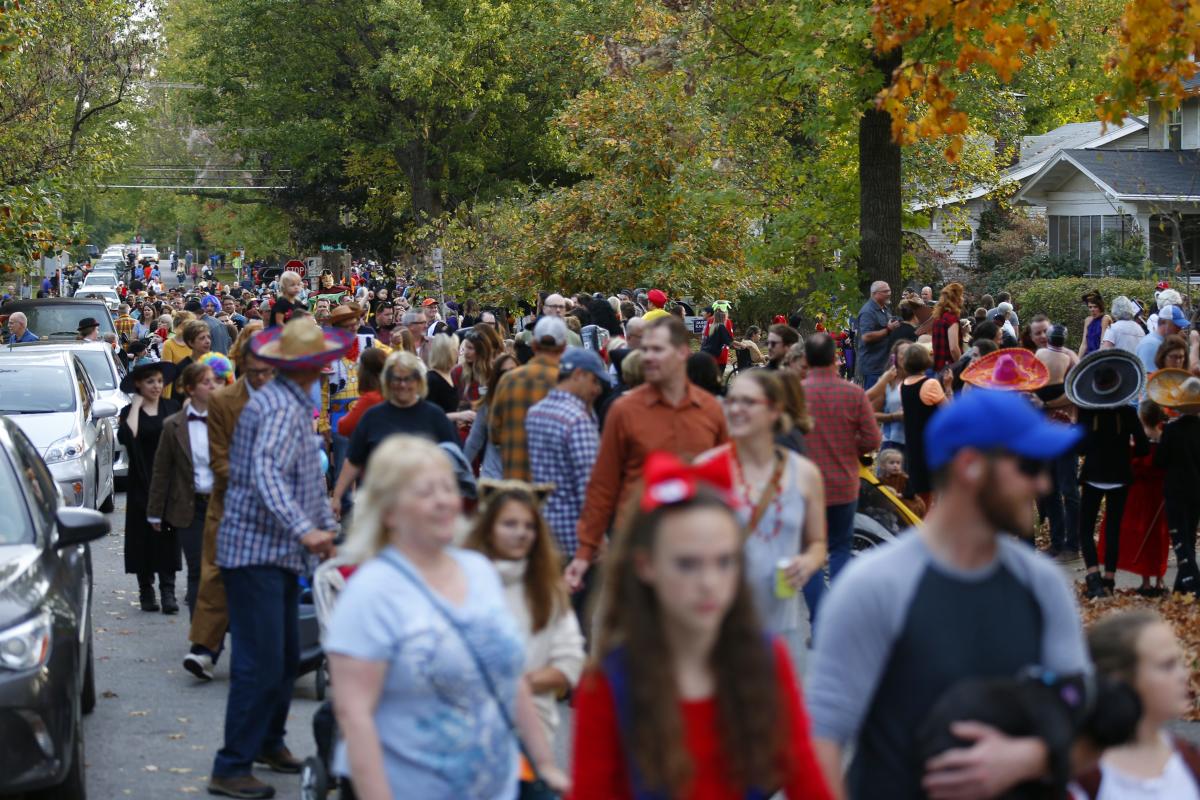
(276,491)
(563,439)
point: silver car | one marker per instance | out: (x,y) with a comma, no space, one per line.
(53,400)
(106,372)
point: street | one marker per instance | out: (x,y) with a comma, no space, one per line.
(156,729)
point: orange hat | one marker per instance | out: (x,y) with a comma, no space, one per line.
(429,301)
(1013,368)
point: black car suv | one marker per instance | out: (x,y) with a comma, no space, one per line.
(47,679)
(58,317)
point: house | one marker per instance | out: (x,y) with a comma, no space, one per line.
(1152,192)
(954,220)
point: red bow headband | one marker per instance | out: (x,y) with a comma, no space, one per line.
(668,481)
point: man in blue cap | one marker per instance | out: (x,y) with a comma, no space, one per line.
(958,598)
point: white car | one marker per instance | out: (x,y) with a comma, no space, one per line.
(106,372)
(147,252)
(52,399)
(106,293)
(99,280)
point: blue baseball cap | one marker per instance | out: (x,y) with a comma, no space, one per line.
(993,420)
(574,358)
(1174,315)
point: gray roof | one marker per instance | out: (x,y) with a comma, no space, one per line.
(1071,136)
(1161,173)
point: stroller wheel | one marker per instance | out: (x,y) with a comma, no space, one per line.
(314,780)
(322,679)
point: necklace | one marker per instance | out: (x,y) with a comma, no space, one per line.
(771,497)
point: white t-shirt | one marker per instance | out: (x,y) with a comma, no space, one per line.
(1125,334)
(1175,783)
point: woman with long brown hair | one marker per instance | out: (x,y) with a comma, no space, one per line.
(946,333)
(478,442)
(470,375)
(512,532)
(688,698)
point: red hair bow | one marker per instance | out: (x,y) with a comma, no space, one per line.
(668,481)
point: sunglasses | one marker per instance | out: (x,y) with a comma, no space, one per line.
(1029,467)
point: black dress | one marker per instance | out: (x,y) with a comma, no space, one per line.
(146,550)
(916,417)
(441,392)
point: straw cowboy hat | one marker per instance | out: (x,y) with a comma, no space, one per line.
(300,345)
(1105,379)
(344,312)
(1014,369)
(1176,389)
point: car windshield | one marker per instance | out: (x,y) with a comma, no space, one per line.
(98,368)
(100,279)
(35,389)
(15,526)
(63,318)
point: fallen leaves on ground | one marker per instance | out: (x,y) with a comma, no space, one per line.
(1182,611)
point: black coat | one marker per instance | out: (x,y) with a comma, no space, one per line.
(146,550)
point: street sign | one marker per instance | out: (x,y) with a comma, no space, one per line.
(296,266)
(439,265)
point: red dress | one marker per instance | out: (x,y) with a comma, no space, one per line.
(600,766)
(1145,542)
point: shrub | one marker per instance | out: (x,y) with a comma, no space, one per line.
(1061,299)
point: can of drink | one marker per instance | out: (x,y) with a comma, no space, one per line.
(783,589)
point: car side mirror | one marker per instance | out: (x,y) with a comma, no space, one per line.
(102,409)
(79,526)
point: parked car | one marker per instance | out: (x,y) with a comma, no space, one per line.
(100,279)
(51,317)
(106,372)
(47,677)
(105,294)
(52,399)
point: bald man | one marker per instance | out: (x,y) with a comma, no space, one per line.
(18,328)
(875,323)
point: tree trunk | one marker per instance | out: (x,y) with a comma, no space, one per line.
(879,192)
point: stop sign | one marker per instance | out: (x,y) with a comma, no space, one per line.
(297,266)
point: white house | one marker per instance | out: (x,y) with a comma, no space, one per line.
(1152,192)
(950,233)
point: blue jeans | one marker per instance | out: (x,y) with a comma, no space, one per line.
(839,527)
(1061,506)
(264,634)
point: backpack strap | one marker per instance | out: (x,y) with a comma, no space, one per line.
(1089,782)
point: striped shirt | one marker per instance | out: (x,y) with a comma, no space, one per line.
(563,438)
(276,491)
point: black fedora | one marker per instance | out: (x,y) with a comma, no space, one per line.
(87,323)
(1105,379)
(145,369)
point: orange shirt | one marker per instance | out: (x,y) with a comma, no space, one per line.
(639,423)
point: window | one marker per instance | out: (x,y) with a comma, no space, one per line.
(1080,237)
(1175,129)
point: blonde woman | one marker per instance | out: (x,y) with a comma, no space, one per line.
(443,356)
(424,652)
(404,410)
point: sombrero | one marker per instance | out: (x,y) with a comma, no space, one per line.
(144,370)
(1105,379)
(1013,369)
(1176,389)
(344,312)
(300,344)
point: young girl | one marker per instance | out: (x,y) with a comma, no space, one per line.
(688,698)
(1140,648)
(514,535)
(889,468)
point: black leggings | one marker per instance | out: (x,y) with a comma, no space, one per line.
(1183,515)
(1089,512)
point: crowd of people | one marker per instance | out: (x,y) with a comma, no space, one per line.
(590,502)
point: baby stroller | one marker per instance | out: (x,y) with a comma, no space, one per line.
(316,780)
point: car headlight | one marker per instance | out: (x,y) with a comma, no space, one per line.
(27,646)
(64,449)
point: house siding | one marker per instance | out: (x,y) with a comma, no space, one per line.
(1138,140)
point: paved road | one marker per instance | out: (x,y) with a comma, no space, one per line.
(155,729)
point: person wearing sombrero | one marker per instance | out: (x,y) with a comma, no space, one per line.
(1012,369)
(1104,385)
(276,514)
(147,552)
(1179,456)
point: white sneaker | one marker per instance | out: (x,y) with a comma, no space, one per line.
(200,665)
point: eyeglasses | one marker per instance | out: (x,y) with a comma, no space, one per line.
(1032,467)
(745,402)
(412,377)
(555,305)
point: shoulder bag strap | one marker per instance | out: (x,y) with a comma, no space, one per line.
(462,635)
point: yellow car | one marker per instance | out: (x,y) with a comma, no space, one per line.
(880,517)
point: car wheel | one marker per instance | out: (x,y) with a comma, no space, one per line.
(74,785)
(87,695)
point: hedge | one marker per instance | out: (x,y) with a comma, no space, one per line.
(1061,298)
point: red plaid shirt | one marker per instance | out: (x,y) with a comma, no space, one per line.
(844,427)
(940,335)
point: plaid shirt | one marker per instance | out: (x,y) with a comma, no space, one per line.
(517,392)
(125,325)
(276,491)
(844,427)
(940,337)
(563,439)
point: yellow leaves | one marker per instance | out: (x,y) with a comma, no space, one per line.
(1157,44)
